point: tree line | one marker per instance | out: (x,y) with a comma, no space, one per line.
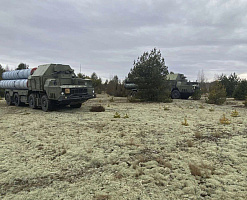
(149,73)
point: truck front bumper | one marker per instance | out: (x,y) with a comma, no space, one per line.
(75,98)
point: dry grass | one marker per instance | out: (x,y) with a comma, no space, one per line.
(198,135)
(202,170)
(195,170)
(102,197)
(190,143)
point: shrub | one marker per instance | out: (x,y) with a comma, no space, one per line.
(196,95)
(217,94)
(115,88)
(224,120)
(235,113)
(240,92)
(117,115)
(149,74)
(97,109)
(185,123)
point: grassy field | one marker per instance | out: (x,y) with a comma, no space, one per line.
(180,150)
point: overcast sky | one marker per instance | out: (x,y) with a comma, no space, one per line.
(106,36)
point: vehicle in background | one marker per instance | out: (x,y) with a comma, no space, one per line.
(179,86)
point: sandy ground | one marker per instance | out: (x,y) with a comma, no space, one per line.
(78,154)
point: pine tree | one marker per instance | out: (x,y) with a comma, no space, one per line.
(149,74)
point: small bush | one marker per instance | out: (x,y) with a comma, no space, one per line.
(217,94)
(97,109)
(126,116)
(196,95)
(112,99)
(185,123)
(166,108)
(224,120)
(235,113)
(117,115)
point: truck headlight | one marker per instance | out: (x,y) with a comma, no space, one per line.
(67,91)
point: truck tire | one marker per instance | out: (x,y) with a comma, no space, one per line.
(8,99)
(46,104)
(78,105)
(32,101)
(17,100)
(176,94)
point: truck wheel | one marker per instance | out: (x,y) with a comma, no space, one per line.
(8,99)
(17,100)
(78,105)
(175,94)
(32,101)
(46,104)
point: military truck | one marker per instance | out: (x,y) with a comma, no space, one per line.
(47,86)
(180,87)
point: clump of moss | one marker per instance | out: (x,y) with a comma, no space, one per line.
(97,109)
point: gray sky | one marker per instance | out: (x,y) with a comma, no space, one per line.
(106,36)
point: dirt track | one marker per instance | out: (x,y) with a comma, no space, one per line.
(77,154)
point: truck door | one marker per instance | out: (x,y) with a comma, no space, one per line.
(35,84)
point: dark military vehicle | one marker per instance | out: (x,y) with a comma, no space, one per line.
(180,87)
(47,86)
